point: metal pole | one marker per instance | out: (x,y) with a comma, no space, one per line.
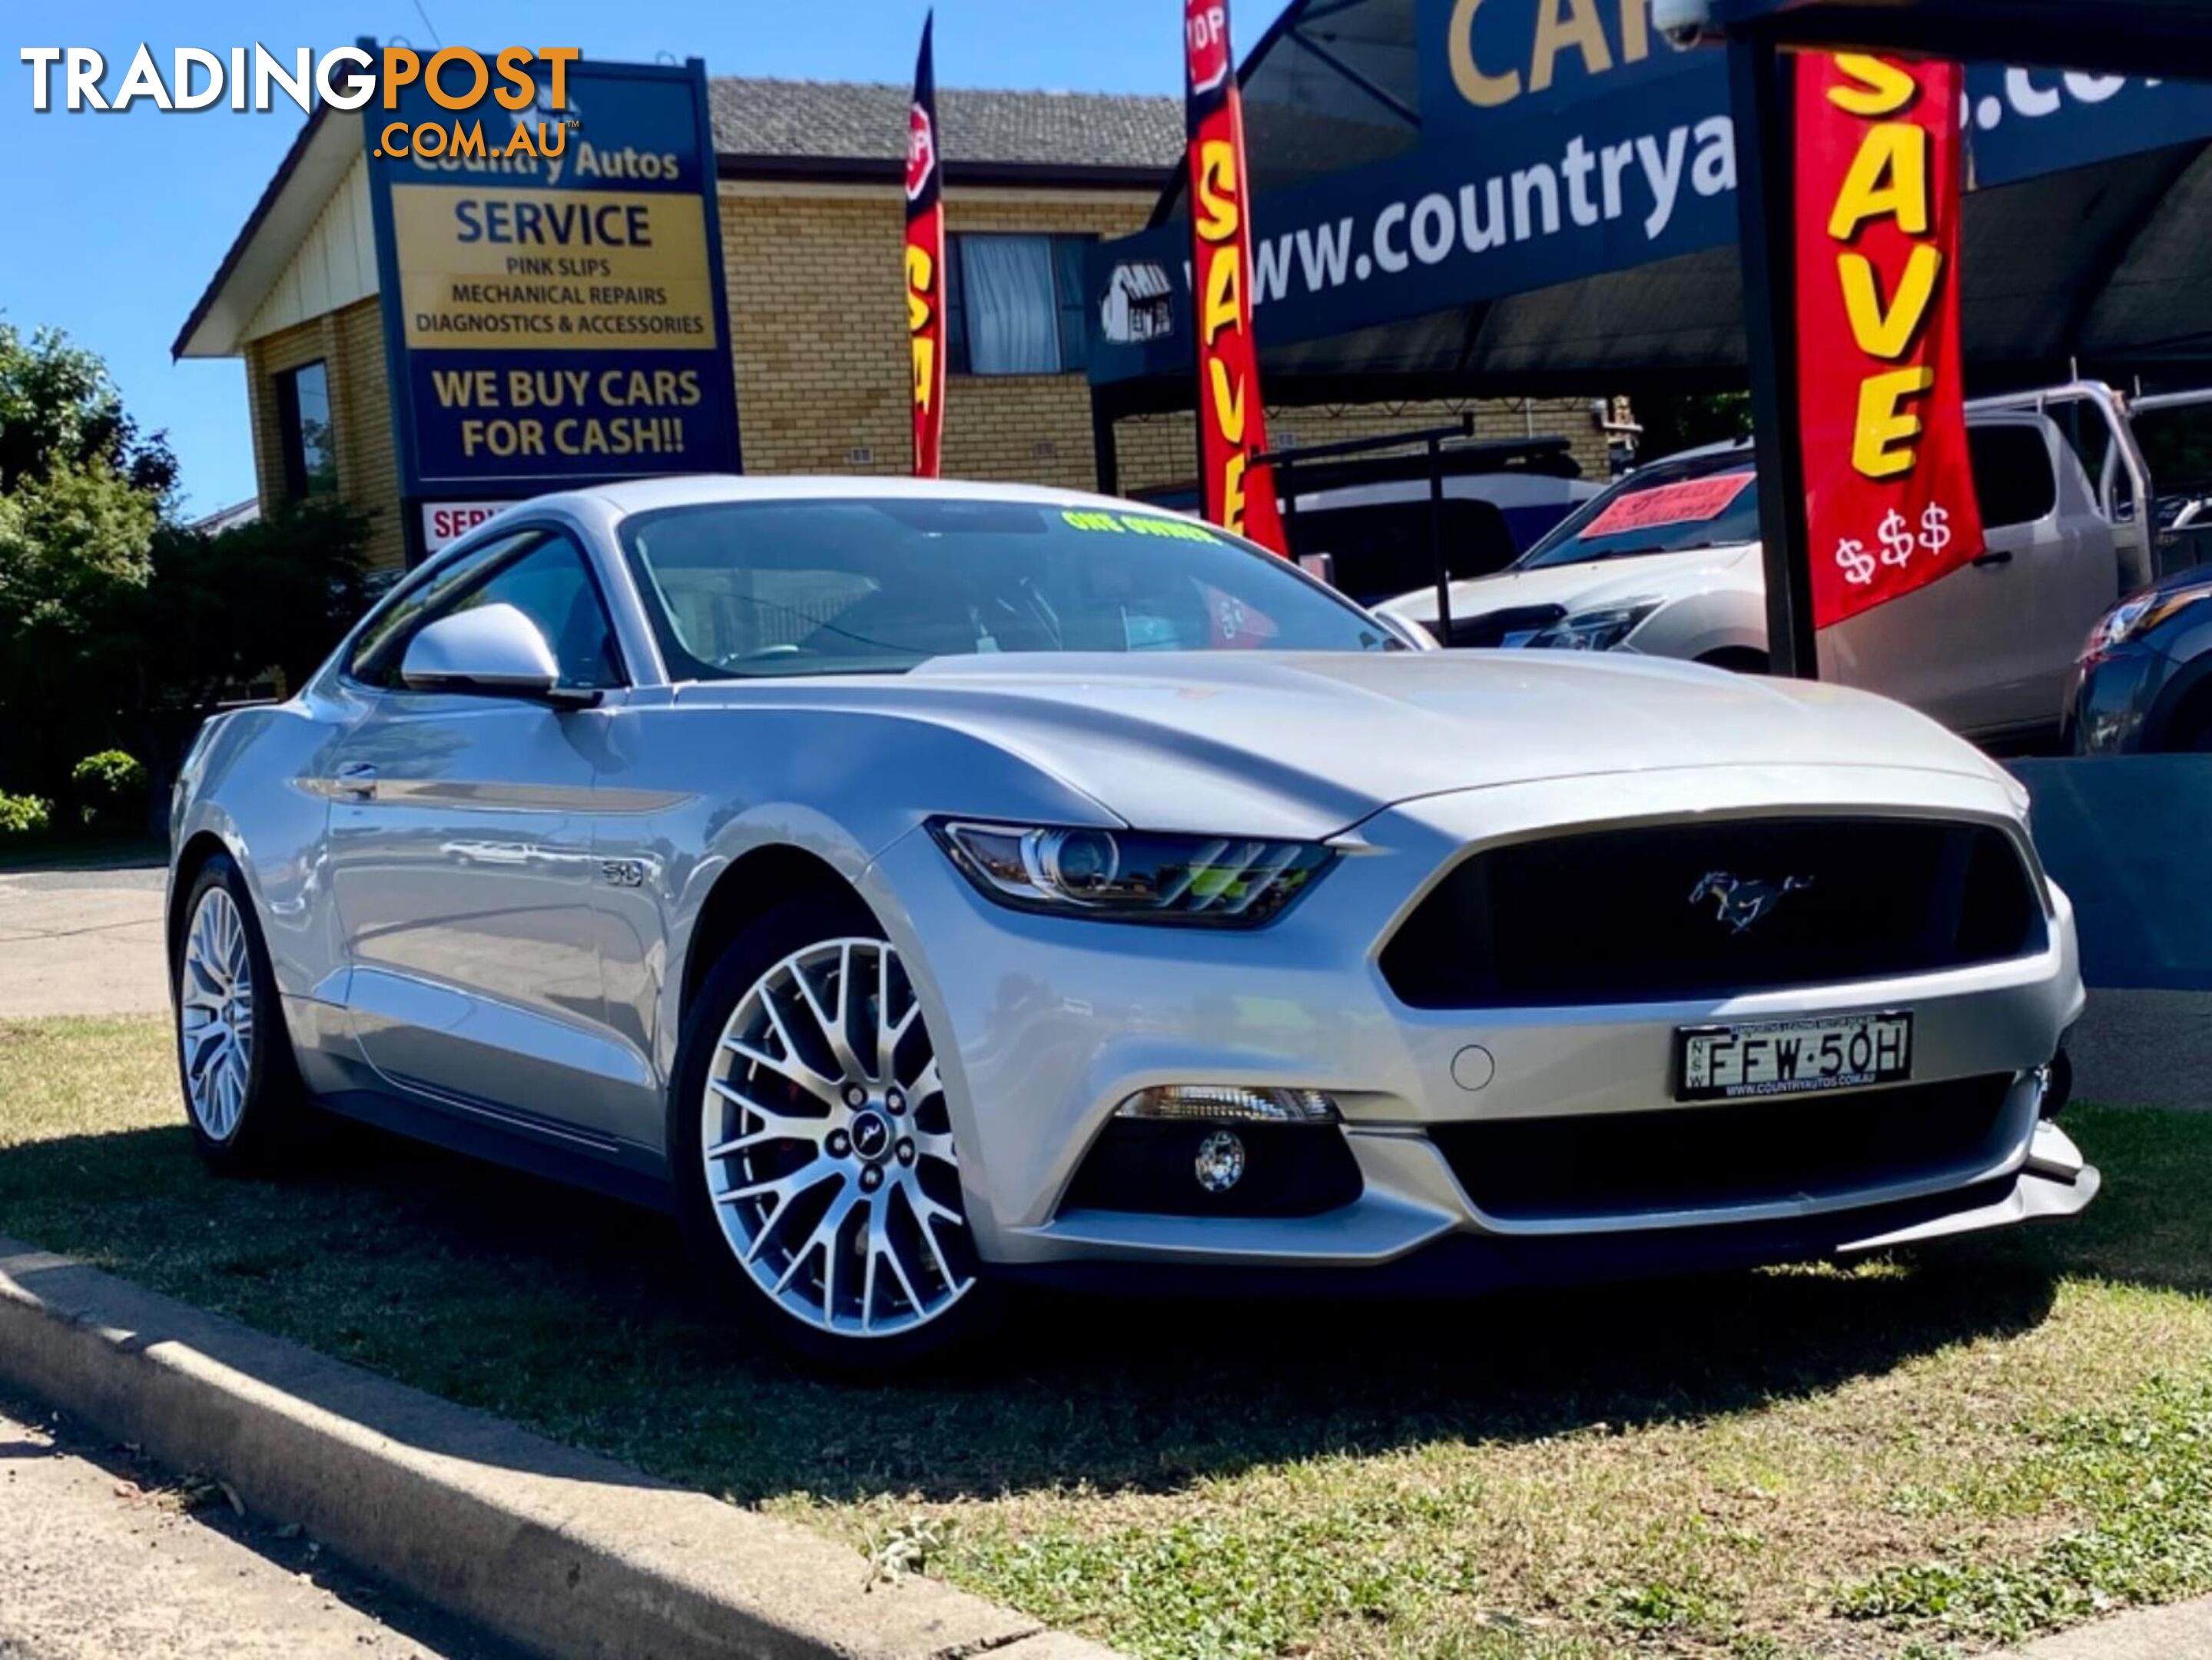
(1105,454)
(1437,541)
(1759,91)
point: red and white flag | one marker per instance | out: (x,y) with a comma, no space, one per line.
(1889,486)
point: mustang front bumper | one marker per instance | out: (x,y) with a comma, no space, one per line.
(1043,1025)
(1460,1262)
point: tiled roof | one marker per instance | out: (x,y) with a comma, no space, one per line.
(794,121)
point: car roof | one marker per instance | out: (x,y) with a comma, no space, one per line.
(647,495)
(606,506)
(1985,416)
(1726,447)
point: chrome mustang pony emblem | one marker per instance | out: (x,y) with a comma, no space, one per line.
(1742,901)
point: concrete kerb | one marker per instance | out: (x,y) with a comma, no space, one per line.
(2181,1632)
(560,1551)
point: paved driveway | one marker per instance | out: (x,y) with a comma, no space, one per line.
(81,942)
(100,1561)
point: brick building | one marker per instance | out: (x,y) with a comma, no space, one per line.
(811,210)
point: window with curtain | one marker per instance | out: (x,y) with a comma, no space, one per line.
(1015,304)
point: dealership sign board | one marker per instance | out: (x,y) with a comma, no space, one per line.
(1889,488)
(1558,140)
(555,317)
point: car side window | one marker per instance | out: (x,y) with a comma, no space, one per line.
(541,574)
(374,659)
(2012,474)
(552,586)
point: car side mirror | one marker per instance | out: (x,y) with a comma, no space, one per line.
(492,649)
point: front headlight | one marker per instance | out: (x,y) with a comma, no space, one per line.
(2139,615)
(1133,876)
(2117,628)
(1595,630)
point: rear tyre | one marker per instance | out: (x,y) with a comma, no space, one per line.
(816,1173)
(243,1097)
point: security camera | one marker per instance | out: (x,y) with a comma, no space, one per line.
(1684,22)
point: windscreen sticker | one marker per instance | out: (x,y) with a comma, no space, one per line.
(1690,502)
(1138,524)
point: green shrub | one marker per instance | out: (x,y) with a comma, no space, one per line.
(110,788)
(24,815)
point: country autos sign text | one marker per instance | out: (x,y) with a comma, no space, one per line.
(1560,139)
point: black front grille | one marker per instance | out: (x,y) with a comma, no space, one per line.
(1652,914)
(1694,1158)
(1487,631)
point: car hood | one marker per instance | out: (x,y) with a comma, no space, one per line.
(2181,581)
(1306,743)
(1581,588)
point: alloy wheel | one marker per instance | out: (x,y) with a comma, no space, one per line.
(829,1149)
(215,1015)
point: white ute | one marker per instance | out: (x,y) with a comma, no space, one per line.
(1987,650)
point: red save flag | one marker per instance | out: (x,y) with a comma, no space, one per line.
(924,262)
(1232,426)
(1889,488)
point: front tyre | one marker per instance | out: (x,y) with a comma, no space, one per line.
(242,1093)
(813,1154)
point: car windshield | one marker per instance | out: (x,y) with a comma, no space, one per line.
(1670,507)
(848,587)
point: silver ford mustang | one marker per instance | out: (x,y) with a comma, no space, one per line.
(921,889)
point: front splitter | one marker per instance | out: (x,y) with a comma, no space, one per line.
(1472,1265)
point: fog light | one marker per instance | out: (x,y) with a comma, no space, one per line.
(1220,1161)
(1228,1103)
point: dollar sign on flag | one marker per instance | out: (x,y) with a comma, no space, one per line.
(1934,528)
(1857,564)
(1896,539)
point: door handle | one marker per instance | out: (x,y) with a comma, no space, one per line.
(358,780)
(1993,557)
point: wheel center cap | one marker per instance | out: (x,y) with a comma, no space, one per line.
(872,1135)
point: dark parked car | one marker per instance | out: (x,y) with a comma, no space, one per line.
(2144,682)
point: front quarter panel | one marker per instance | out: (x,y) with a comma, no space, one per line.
(254,781)
(2181,693)
(687,792)
(1728,615)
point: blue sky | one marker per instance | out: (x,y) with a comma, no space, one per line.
(111,225)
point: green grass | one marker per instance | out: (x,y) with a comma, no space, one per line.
(1918,1458)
